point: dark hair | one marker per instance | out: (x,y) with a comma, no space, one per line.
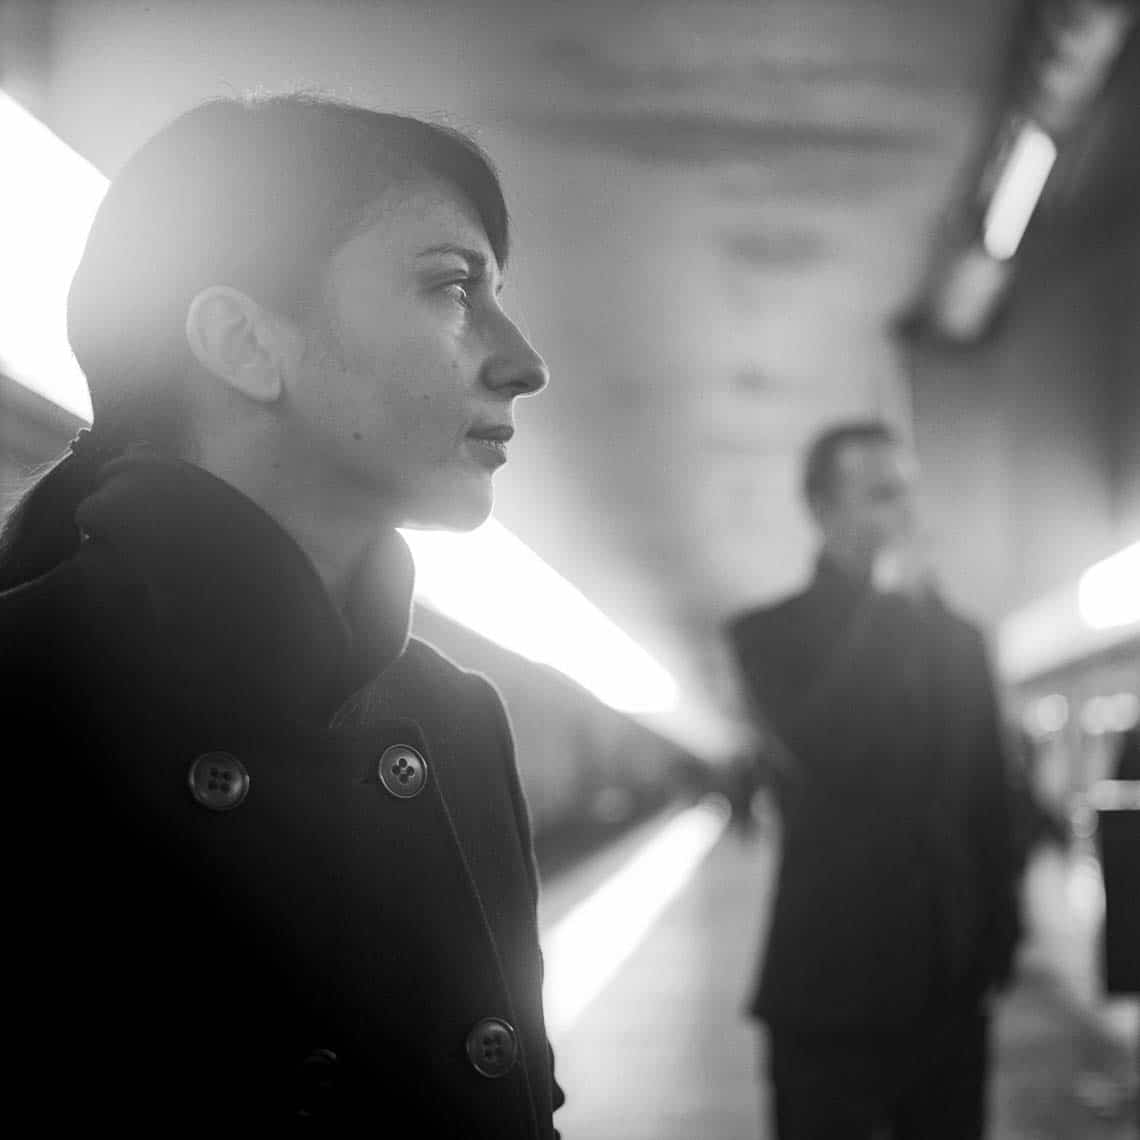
(822,454)
(254,192)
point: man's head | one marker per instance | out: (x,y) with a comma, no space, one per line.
(319,281)
(859,483)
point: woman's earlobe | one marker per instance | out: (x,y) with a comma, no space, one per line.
(229,335)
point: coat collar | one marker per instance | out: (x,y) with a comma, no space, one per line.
(847,590)
(834,581)
(236,601)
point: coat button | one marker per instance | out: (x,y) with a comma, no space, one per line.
(218,781)
(492,1047)
(403,771)
(316,1083)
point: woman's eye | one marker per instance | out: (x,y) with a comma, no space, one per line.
(458,291)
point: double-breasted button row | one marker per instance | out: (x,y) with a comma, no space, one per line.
(220,781)
(492,1047)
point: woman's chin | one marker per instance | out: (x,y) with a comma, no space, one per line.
(460,508)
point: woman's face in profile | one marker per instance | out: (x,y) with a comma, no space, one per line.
(409,388)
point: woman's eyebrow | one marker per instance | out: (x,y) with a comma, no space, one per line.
(476,260)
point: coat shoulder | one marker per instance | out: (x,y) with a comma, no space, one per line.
(67,639)
(427,685)
(432,666)
(69,615)
(22,607)
(765,621)
(85,592)
(964,631)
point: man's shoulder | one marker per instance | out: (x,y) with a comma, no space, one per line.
(769,619)
(963,627)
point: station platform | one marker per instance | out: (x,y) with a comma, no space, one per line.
(661,1050)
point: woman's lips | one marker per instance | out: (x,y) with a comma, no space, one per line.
(490,452)
(488,443)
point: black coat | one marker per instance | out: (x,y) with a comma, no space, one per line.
(227,901)
(896,889)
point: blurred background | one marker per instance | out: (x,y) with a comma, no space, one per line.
(734,223)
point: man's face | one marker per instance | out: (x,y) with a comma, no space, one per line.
(872,506)
(416,361)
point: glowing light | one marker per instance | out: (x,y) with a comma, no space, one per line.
(1084,890)
(1115,795)
(1108,594)
(48,196)
(1026,171)
(588,946)
(494,584)
(1098,611)
(1047,716)
(1116,713)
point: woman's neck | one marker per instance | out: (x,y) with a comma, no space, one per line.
(334,526)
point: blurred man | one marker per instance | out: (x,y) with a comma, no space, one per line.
(895,913)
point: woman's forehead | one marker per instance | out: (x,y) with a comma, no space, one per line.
(420,219)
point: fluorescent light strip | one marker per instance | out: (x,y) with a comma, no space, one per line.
(585,950)
(1108,594)
(48,196)
(492,583)
(1026,170)
(1100,610)
(488,580)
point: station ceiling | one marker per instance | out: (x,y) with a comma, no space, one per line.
(719,209)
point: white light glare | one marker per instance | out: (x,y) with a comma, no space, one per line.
(1108,594)
(48,196)
(1026,170)
(494,584)
(587,948)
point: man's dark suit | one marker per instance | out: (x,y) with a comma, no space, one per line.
(894,909)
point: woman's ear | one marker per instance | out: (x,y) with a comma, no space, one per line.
(238,341)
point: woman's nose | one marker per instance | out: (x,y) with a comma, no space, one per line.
(515,366)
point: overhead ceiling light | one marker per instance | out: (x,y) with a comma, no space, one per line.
(1108,594)
(48,196)
(488,580)
(1019,187)
(968,294)
(496,585)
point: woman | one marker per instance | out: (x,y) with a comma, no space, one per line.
(278,864)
